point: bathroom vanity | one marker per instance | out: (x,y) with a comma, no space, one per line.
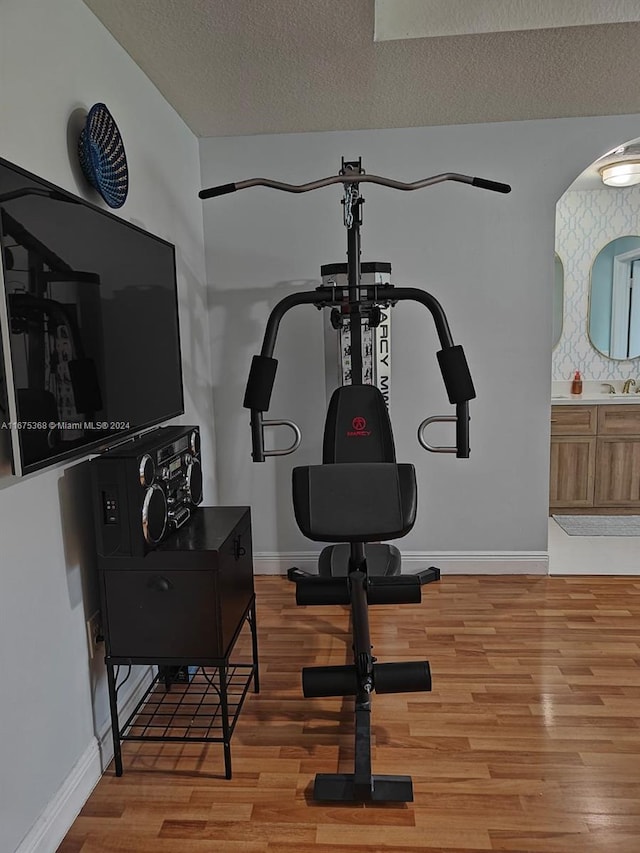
(595,455)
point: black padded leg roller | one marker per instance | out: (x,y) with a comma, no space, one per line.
(401,589)
(329,681)
(317,590)
(408,677)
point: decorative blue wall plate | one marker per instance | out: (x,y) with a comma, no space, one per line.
(102,156)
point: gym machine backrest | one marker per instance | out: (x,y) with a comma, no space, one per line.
(357,429)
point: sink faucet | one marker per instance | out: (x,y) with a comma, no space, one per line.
(627,385)
(608,385)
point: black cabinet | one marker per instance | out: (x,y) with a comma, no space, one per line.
(183,607)
(163,614)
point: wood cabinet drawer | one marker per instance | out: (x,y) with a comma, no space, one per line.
(573,420)
(619,420)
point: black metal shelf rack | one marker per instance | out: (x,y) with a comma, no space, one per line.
(182,608)
(191,711)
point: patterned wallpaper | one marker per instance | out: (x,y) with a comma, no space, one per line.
(585,222)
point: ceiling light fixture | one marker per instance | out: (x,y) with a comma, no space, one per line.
(622,174)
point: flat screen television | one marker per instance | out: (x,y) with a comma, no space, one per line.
(89,325)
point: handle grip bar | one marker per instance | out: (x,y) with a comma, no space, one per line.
(461,420)
(355,178)
(259,454)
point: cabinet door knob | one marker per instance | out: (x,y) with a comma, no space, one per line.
(160,584)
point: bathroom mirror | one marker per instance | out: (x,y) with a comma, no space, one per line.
(558,302)
(614,311)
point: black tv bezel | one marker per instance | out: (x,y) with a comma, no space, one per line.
(117,436)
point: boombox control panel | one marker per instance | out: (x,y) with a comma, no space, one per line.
(145,489)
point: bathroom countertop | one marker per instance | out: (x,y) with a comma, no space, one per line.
(595,399)
(594,392)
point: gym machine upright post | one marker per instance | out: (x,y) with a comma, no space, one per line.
(360,502)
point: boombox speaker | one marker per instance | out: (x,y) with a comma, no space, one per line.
(144,489)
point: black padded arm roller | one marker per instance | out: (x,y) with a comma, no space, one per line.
(455,372)
(260,383)
(490,185)
(215,191)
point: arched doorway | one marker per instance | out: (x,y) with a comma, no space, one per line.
(595,454)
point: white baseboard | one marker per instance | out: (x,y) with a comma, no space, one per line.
(53,824)
(46,835)
(468,563)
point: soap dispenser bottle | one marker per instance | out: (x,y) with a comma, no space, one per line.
(576,385)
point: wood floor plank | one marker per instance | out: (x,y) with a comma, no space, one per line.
(349,837)
(528,743)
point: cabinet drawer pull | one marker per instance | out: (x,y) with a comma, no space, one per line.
(160,584)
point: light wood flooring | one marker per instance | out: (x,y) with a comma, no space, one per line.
(528,743)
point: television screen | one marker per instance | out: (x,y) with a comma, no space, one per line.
(89,324)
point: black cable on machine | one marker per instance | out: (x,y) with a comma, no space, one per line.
(353,220)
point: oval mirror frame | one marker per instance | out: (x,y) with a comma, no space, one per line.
(613,319)
(557,321)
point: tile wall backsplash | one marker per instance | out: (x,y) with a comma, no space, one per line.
(585,222)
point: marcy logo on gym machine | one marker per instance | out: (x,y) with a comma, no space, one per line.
(359,425)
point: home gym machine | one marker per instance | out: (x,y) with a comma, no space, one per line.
(360,495)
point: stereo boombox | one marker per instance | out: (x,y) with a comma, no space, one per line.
(145,489)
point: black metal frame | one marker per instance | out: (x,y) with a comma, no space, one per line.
(356,301)
(361,785)
(187,707)
(324,297)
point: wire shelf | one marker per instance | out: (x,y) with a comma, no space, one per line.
(190,711)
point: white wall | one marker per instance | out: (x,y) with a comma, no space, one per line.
(487,257)
(55,59)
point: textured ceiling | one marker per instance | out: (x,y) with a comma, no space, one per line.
(235,67)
